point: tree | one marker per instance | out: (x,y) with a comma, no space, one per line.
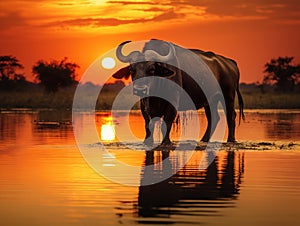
(55,74)
(9,66)
(281,73)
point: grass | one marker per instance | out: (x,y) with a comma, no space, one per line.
(36,99)
(272,100)
(63,99)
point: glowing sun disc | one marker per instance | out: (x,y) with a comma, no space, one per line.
(108,63)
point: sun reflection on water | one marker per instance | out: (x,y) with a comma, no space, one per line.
(108,132)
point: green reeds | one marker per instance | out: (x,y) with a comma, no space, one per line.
(271,100)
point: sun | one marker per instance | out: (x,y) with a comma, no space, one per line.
(108,63)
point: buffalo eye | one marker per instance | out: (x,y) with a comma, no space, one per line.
(151,72)
(132,70)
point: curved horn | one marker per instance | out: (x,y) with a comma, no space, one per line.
(130,57)
(120,55)
(151,55)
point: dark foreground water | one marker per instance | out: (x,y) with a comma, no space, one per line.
(44,180)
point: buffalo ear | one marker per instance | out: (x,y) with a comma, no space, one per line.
(122,73)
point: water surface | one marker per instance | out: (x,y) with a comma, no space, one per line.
(44,180)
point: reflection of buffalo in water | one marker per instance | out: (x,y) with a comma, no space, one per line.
(190,192)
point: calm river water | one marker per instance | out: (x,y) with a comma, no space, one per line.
(44,180)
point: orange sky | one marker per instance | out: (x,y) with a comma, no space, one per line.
(249,31)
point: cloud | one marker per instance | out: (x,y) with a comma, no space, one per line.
(269,9)
(277,10)
(118,13)
(134,2)
(69,14)
(12,20)
(104,22)
(94,22)
(169,15)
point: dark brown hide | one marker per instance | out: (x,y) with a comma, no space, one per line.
(224,69)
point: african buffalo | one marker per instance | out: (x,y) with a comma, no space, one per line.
(158,59)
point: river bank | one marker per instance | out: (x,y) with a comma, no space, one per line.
(63,99)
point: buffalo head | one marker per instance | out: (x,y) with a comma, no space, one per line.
(144,65)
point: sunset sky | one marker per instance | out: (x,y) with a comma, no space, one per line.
(249,31)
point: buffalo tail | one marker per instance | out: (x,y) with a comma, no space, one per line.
(241,105)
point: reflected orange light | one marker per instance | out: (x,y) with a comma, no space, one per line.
(108,132)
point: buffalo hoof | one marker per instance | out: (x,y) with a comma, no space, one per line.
(205,140)
(231,140)
(148,142)
(165,145)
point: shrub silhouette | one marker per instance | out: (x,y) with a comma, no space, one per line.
(281,73)
(55,74)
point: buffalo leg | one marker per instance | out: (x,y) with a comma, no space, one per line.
(149,133)
(212,121)
(230,116)
(166,130)
(149,127)
(168,118)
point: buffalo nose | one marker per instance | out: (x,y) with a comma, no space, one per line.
(141,91)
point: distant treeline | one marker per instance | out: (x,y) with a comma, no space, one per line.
(56,82)
(31,95)
(264,96)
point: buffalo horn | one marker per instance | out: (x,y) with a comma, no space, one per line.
(125,59)
(151,55)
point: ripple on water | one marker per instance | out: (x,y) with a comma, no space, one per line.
(199,146)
